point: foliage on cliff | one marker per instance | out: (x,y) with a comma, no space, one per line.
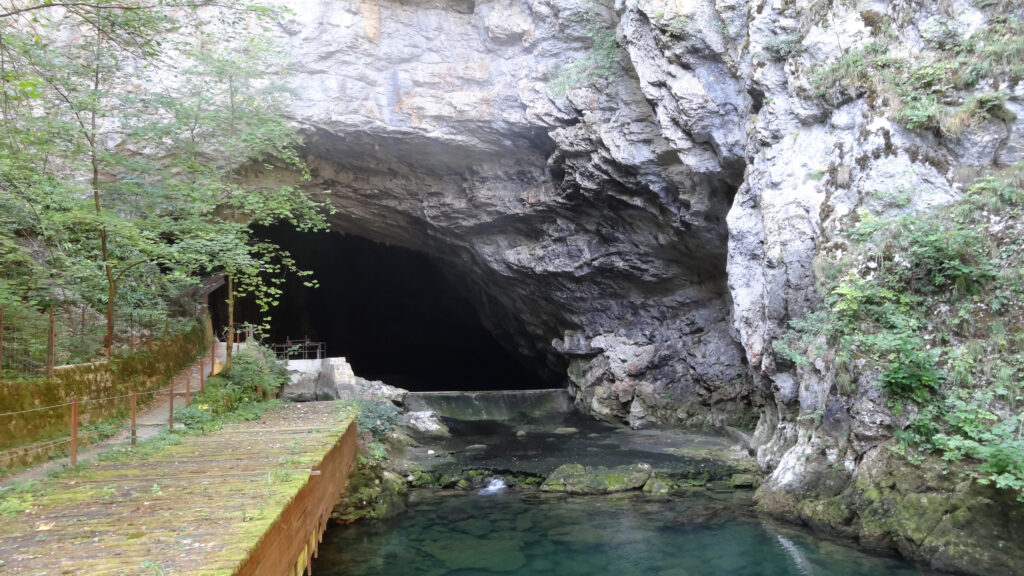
(599,61)
(954,81)
(932,303)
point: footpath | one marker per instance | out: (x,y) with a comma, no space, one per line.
(150,420)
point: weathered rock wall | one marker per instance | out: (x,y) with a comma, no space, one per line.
(586,232)
(650,234)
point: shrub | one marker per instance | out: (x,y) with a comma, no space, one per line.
(927,91)
(912,373)
(222,401)
(783,47)
(256,371)
(378,417)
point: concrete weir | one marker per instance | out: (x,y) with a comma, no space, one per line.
(492,404)
(250,499)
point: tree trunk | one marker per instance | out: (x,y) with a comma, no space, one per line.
(91,139)
(231,323)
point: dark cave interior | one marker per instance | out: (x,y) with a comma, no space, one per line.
(392,312)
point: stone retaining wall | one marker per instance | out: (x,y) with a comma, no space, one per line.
(139,372)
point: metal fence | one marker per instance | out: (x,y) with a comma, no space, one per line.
(33,342)
(300,350)
(78,407)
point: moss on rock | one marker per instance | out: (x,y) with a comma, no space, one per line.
(373,493)
(933,513)
(579,479)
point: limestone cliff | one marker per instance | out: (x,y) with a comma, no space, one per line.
(648,235)
(589,228)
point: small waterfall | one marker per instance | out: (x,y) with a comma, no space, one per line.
(493,487)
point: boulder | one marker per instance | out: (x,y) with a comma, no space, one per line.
(426,422)
(373,389)
(333,379)
(579,479)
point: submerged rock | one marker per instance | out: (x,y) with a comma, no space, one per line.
(658,486)
(460,551)
(743,481)
(579,479)
(704,515)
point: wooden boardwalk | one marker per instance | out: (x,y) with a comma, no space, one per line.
(247,499)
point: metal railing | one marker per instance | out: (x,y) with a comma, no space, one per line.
(133,400)
(300,350)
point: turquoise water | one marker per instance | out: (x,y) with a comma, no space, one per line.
(530,533)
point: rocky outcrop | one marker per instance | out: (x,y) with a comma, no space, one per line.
(590,237)
(647,235)
(333,379)
(579,479)
(426,422)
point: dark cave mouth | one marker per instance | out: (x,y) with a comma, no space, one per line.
(394,313)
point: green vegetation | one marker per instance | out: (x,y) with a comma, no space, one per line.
(929,90)
(129,152)
(377,417)
(238,395)
(932,304)
(598,63)
(18,498)
(783,47)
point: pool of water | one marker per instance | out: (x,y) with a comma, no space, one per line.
(449,533)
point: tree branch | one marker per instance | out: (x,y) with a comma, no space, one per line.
(17,11)
(98,6)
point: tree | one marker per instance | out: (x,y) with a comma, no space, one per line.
(159,155)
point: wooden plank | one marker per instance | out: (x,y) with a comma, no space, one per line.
(231,501)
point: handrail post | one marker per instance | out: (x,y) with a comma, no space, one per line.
(188,388)
(74,431)
(51,356)
(132,401)
(2,311)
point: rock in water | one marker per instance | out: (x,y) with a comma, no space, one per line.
(426,422)
(579,479)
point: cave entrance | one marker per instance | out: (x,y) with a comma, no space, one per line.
(392,312)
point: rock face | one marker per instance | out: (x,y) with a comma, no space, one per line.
(588,229)
(648,235)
